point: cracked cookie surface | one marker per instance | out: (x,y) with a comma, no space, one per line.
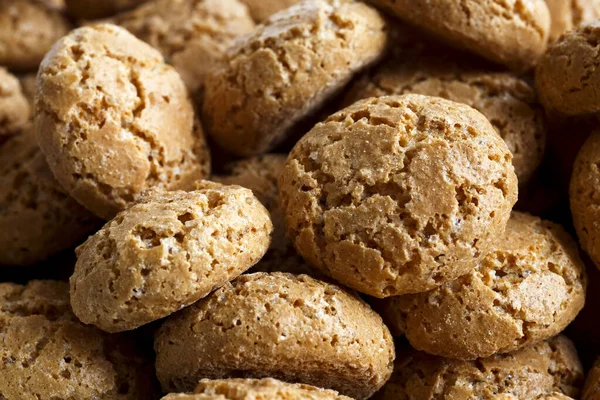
(47,353)
(547,370)
(37,218)
(262,9)
(165,252)
(114,120)
(289,327)
(286,70)
(187,31)
(527,289)
(14,106)
(510,32)
(567,75)
(509,103)
(90,9)
(28,29)
(567,15)
(398,194)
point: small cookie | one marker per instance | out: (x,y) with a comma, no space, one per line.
(398,194)
(28,29)
(37,218)
(567,79)
(591,389)
(286,70)
(290,327)
(508,102)
(91,9)
(584,195)
(527,289)
(567,15)
(113,120)
(165,252)
(547,370)
(512,32)
(262,9)
(14,107)
(47,353)
(192,35)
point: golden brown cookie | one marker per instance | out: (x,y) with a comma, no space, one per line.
(165,252)
(591,389)
(47,353)
(398,194)
(286,70)
(113,120)
(508,102)
(511,32)
(290,327)
(29,87)
(262,9)
(527,289)
(584,195)
(570,14)
(567,79)
(91,9)
(37,218)
(192,35)
(547,370)
(14,107)
(28,29)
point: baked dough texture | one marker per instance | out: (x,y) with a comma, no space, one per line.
(47,353)
(567,15)
(262,9)
(114,120)
(510,32)
(165,252)
(91,9)
(284,326)
(14,107)
(398,194)
(192,35)
(591,389)
(286,70)
(547,370)
(527,289)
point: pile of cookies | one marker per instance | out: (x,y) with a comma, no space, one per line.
(299,199)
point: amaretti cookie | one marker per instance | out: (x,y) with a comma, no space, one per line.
(591,389)
(90,9)
(262,9)
(567,80)
(509,103)
(398,194)
(512,32)
(284,326)
(47,353)
(567,15)
(37,218)
(165,252)
(192,35)
(113,120)
(527,289)
(286,70)
(547,370)
(28,29)
(584,195)
(14,107)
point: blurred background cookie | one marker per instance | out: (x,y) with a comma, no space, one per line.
(91,9)
(262,9)
(567,15)
(14,107)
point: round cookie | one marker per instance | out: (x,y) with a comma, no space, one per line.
(91,9)
(508,102)
(591,389)
(398,194)
(47,353)
(584,195)
(14,107)
(512,32)
(290,327)
(527,289)
(262,9)
(113,120)
(569,14)
(567,80)
(28,29)
(186,31)
(260,174)
(286,70)
(547,370)
(37,218)
(165,252)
